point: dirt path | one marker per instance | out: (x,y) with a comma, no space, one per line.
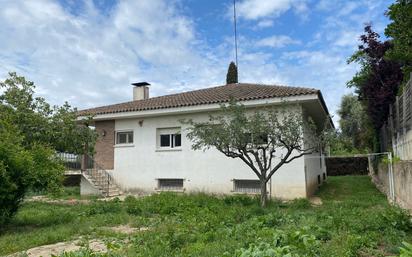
(96,245)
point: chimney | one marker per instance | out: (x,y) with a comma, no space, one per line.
(140,91)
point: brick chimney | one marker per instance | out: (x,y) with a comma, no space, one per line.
(140,91)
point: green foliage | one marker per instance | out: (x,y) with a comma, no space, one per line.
(232,76)
(356,130)
(38,122)
(406,250)
(354,220)
(400,32)
(244,200)
(104,207)
(23,169)
(291,243)
(264,139)
(31,131)
(398,218)
(132,206)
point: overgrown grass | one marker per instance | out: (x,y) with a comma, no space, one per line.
(354,220)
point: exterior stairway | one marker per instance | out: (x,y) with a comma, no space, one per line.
(102,180)
(99,178)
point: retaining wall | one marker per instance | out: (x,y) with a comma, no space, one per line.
(402,177)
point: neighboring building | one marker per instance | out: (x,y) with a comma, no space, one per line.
(143,144)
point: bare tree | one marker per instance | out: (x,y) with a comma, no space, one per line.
(264,140)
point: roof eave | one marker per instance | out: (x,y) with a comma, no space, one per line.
(200,108)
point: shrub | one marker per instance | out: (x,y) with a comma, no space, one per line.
(406,250)
(244,200)
(300,203)
(291,243)
(103,207)
(22,169)
(133,206)
(398,218)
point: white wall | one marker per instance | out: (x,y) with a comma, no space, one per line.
(137,167)
(315,164)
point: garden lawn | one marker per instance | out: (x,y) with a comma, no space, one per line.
(354,220)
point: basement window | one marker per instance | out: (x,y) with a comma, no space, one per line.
(246,186)
(124,137)
(169,138)
(170,184)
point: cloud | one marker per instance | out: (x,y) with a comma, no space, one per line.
(265,23)
(277,41)
(257,9)
(90,59)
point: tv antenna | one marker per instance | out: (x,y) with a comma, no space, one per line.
(235,28)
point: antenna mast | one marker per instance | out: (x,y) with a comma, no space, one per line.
(235,26)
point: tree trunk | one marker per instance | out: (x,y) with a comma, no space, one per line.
(263,193)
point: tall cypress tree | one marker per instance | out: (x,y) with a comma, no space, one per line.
(231,76)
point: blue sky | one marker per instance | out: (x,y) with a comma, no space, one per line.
(88,52)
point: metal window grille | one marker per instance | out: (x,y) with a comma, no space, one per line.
(248,186)
(170,184)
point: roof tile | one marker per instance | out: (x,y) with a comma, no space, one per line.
(219,94)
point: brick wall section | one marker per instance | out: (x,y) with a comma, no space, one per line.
(104,145)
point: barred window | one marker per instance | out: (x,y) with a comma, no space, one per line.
(170,184)
(248,186)
(124,137)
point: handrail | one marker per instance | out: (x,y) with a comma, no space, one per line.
(100,175)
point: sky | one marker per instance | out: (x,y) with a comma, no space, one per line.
(87,52)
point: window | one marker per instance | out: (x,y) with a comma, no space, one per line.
(324,176)
(247,186)
(170,184)
(124,137)
(319,181)
(169,138)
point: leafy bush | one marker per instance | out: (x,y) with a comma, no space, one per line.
(300,203)
(398,218)
(244,200)
(22,169)
(103,207)
(406,250)
(133,206)
(292,243)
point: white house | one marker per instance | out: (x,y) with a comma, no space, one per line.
(143,145)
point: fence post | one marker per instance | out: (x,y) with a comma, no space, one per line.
(391,180)
(83,164)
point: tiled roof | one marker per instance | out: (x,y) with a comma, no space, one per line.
(213,95)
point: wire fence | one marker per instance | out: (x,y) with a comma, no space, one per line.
(396,133)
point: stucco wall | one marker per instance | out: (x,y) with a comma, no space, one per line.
(402,178)
(137,166)
(104,155)
(315,166)
(314,163)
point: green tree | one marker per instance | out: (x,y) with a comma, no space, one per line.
(264,140)
(22,169)
(400,32)
(31,131)
(354,125)
(38,122)
(232,76)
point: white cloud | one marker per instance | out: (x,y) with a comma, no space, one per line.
(277,41)
(265,23)
(91,59)
(257,9)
